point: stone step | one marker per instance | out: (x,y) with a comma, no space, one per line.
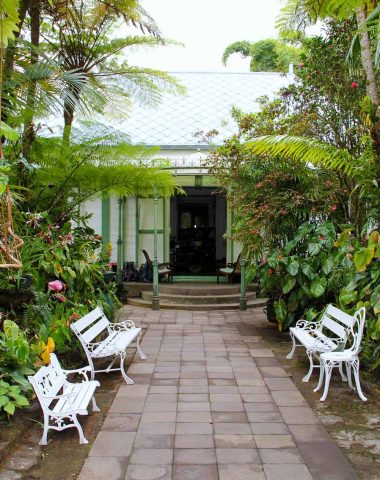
(202,290)
(258,303)
(198,299)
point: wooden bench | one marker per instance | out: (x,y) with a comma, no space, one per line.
(329,334)
(60,400)
(100,338)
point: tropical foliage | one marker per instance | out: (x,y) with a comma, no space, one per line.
(266,55)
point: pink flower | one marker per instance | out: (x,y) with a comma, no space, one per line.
(55,286)
(354,85)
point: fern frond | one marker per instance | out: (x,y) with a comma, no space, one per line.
(303,150)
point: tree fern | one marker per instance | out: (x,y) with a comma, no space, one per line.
(305,150)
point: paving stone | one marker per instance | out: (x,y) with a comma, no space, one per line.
(141,368)
(195,472)
(325,460)
(163,389)
(274,441)
(152,456)
(261,352)
(149,472)
(135,390)
(193,406)
(280,384)
(232,428)
(237,455)
(242,472)
(225,398)
(158,417)
(194,456)
(164,428)
(256,398)
(299,415)
(234,441)
(161,407)
(194,417)
(260,407)
(99,468)
(112,444)
(194,428)
(273,372)
(222,381)
(193,389)
(266,428)
(127,405)
(121,423)
(287,472)
(194,441)
(309,433)
(234,417)
(227,407)
(271,417)
(153,441)
(280,455)
(285,398)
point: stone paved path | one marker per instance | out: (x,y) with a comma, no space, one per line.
(210,402)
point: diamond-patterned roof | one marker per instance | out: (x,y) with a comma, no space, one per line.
(206,105)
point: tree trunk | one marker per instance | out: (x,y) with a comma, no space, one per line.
(29,133)
(365,47)
(68,116)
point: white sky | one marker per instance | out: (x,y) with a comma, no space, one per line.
(206,27)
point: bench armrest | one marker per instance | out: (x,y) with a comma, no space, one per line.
(117,327)
(306,325)
(81,371)
(166,265)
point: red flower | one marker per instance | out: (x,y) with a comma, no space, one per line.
(333,208)
(321,237)
(354,85)
(270,271)
(280,257)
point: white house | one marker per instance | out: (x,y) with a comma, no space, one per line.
(193,230)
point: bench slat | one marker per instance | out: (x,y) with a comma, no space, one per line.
(116,342)
(88,319)
(89,335)
(343,317)
(334,327)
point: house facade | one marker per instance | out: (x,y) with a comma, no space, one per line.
(193,230)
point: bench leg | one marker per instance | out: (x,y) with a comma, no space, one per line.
(43,440)
(355,367)
(95,407)
(349,375)
(321,375)
(306,378)
(327,366)
(128,380)
(139,351)
(82,438)
(291,353)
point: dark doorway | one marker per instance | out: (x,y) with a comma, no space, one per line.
(198,223)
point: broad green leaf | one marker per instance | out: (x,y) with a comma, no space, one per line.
(10,408)
(293,301)
(11,329)
(289,247)
(280,310)
(363,257)
(8,132)
(314,248)
(3,400)
(293,267)
(347,296)
(318,287)
(307,270)
(327,266)
(289,284)
(343,239)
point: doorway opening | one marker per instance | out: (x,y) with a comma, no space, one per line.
(198,222)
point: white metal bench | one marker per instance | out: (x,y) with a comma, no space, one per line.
(329,334)
(61,401)
(349,356)
(101,339)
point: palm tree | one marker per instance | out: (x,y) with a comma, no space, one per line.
(84,38)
